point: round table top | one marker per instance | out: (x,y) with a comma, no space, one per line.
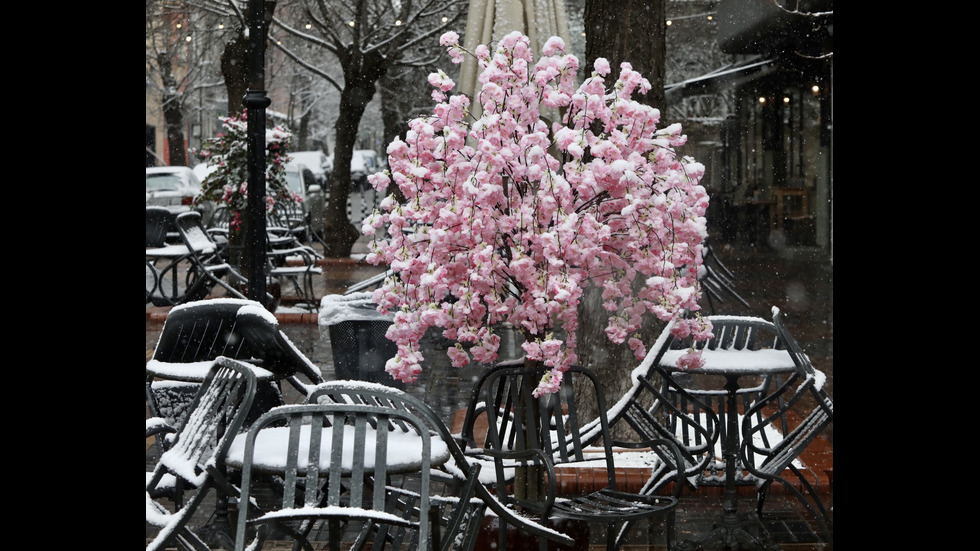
(734,362)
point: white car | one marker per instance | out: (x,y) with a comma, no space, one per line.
(175,188)
(359,171)
(301,180)
(316,161)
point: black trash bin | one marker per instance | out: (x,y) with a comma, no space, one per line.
(357,338)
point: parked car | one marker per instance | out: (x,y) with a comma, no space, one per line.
(316,161)
(175,188)
(359,169)
(203,170)
(303,181)
(372,160)
(358,172)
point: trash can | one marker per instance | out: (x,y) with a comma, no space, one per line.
(357,338)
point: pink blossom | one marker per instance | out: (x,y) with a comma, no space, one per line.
(496,229)
(691,360)
(602,66)
(449,38)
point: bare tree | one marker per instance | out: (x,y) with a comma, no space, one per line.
(180,61)
(367,38)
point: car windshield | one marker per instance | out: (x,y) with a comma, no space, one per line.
(162,182)
(294,182)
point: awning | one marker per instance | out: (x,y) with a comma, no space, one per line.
(727,77)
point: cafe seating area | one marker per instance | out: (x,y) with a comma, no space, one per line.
(281,471)
(731,455)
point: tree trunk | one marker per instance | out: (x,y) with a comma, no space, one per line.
(613,29)
(234,67)
(173,114)
(234,63)
(633,31)
(304,131)
(361,72)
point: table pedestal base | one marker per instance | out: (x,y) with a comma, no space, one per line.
(728,534)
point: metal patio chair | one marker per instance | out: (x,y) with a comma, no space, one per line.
(800,409)
(391,479)
(208,267)
(717,281)
(286,257)
(197,333)
(530,437)
(164,259)
(293,215)
(334,462)
(193,464)
(459,476)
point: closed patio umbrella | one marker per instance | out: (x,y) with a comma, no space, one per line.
(490,20)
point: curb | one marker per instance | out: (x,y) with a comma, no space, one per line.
(159,315)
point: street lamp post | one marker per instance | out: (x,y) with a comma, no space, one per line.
(255,102)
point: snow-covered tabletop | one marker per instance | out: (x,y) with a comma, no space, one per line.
(734,362)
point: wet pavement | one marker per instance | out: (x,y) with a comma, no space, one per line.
(797,280)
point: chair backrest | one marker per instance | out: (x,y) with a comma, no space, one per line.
(202,331)
(216,415)
(158,222)
(518,422)
(461,521)
(197,239)
(220,219)
(196,455)
(332,448)
(242,329)
(277,353)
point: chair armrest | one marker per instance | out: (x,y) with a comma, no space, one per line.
(525,524)
(516,459)
(158,425)
(673,460)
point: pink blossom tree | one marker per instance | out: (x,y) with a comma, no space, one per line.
(507,218)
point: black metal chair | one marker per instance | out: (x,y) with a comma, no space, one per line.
(286,256)
(298,221)
(717,281)
(159,221)
(219,227)
(197,333)
(162,258)
(529,438)
(193,464)
(208,267)
(325,454)
(298,265)
(800,409)
(459,498)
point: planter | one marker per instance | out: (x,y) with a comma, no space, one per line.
(357,338)
(360,351)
